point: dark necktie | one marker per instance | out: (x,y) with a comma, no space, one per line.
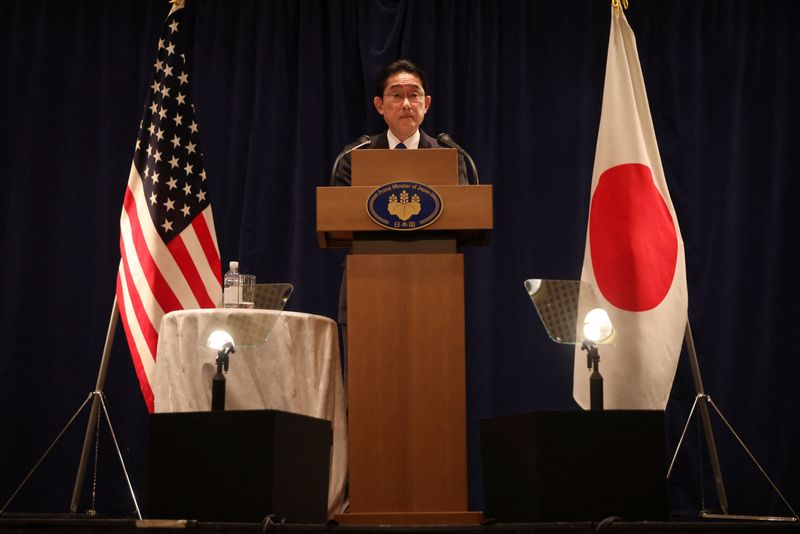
(400,146)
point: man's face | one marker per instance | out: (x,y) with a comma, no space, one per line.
(403,105)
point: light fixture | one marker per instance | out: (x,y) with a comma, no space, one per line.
(218,339)
(561,306)
(222,342)
(597,326)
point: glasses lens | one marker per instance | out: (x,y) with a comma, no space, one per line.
(414,97)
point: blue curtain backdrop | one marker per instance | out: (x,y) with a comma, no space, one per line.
(281,86)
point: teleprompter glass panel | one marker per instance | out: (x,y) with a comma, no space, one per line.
(565,307)
(246,327)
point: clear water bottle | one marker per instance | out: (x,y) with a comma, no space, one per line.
(232,286)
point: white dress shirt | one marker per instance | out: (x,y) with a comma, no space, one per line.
(411,143)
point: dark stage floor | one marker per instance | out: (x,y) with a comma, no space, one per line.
(28,524)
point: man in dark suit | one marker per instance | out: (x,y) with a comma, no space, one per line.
(402,99)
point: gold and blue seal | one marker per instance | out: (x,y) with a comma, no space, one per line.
(404,206)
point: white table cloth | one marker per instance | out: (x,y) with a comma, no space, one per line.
(296,370)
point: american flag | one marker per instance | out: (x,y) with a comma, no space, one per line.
(170,258)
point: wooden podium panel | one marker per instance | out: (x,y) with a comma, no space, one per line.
(466,211)
(407,384)
(435,166)
(406,346)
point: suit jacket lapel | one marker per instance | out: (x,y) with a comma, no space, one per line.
(425,140)
(380,141)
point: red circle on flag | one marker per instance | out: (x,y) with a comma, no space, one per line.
(633,241)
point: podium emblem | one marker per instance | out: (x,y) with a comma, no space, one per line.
(404,206)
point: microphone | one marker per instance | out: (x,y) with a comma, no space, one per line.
(446,140)
(360,142)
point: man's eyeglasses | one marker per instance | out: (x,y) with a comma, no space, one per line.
(396,97)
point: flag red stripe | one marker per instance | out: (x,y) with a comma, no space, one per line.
(189,270)
(144,384)
(158,285)
(207,242)
(149,331)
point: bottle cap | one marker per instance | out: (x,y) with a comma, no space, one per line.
(234,265)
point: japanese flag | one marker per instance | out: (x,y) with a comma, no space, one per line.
(634,256)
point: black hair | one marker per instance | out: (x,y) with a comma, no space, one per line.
(399,65)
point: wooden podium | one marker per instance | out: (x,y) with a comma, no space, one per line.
(406,344)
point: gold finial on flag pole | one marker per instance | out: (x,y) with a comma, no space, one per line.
(176,5)
(616,3)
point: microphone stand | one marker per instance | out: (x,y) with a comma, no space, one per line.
(360,142)
(447,141)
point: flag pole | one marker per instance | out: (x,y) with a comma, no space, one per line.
(96,397)
(98,391)
(705,419)
(703,401)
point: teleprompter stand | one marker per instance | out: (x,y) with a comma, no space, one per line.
(557,302)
